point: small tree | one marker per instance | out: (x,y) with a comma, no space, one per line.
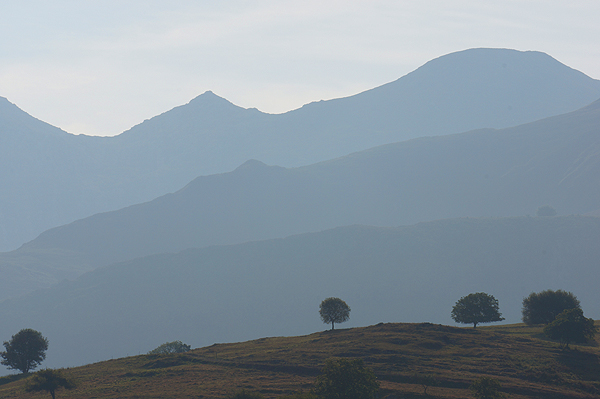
(543,307)
(334,310)
(25,351)
(347,379)
(486,388)
(48,380)
(476,308)
(426,381)
(571,326)
(170,347)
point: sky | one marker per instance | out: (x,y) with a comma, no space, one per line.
(101,67)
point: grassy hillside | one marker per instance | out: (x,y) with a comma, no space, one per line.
(405,274)
(526,364)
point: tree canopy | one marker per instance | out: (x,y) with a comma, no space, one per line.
(476,308)
(25,351)
(48,380)
(170,347)
(486,388)
(543,307)
(347,379)
(334,310)
(571,326)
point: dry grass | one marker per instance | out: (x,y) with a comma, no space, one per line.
(526,364)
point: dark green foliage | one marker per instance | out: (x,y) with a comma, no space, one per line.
(476,308)
(48,380)
(486,388)
(346,379)
(571,326)
(25,351)
(334,310)
(543,307)
(243,394)
(545,210)
(170,347)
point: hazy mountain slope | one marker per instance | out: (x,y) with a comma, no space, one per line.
(476,88)
(50,178)
(507,172)
(271,288)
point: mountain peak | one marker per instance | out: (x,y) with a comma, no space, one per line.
(208,99)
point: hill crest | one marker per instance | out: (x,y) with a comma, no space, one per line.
(527,365)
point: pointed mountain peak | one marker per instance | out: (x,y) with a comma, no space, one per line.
(210,99)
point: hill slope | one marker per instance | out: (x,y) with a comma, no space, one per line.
(507,172)
(50,178)
(525,365)
(245,291)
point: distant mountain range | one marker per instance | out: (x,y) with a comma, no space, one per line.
(499,173)
(273,288)
(49,177)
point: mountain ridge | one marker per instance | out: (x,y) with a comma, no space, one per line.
(64,177)
(58,177)
(507,172)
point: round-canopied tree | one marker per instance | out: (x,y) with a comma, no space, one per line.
(476,308)
(571,326)
(49,380)
(25,351)
(334,310)
(348,379)
(171,347)
(543,307)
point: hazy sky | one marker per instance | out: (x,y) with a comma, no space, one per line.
(100,67)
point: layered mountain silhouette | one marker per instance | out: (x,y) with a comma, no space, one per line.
(273,288)
(482,173)
(49,177)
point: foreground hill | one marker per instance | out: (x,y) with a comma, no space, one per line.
(527,365)
(246,291)
(507,172)
(49,177)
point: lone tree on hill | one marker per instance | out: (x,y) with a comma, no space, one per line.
(476,308)
(571,326)
(334,310)
(347,379)
(48,380)
(170,347)
(25,351)
(543,307)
